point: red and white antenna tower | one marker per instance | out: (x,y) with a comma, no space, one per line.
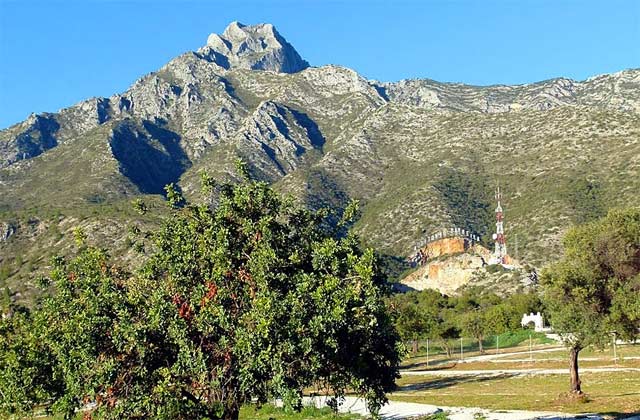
(500,251)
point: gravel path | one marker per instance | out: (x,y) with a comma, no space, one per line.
(497,372)
(405,410)
(492,356)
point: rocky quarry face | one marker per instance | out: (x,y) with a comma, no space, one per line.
(453,264)
(420,155)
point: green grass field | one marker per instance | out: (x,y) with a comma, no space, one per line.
(615,393)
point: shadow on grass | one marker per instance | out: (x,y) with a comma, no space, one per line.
(617,415)
(433,365)
(440,383)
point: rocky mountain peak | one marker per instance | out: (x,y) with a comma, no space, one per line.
(253,47)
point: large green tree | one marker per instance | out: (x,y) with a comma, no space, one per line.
(593,292)
(250,299)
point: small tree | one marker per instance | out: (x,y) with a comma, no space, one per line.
(441,325)
(425,314)
(471,308)
(250,300)
(411,321)
(473,323)
(497,319)
(594,290)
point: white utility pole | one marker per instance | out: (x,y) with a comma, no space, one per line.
(427,352)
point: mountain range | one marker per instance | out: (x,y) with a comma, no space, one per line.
(420,155)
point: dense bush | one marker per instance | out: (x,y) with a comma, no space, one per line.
(253,299)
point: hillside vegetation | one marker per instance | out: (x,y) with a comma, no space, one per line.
(420,155)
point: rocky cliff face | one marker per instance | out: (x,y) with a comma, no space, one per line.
(453,270)
(257,47)
(419,154)
(614,91)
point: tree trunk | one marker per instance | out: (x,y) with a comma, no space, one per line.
(415,346)
(573,369)
(231,411)
(447,348)
(480,348)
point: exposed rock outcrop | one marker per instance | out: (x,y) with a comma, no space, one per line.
(617,91)
(7,230)
(453,266)
(446,246)
(254,47)
(276,138)
(28,139)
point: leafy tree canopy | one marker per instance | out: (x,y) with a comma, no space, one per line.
(249,300)
(594,291)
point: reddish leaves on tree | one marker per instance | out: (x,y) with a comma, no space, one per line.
(244,275)
(110,397)
(185,312)
(184,309)
(212,291)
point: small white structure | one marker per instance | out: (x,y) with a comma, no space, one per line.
(536,318)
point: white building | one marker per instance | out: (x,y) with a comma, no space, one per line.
(536,318)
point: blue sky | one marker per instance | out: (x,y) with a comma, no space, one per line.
(55,53)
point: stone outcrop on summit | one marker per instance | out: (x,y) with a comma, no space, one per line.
(255,47)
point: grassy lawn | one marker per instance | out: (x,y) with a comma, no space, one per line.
(611,392)
(419,361)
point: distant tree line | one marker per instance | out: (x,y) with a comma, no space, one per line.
(475,313)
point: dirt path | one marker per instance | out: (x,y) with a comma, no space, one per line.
(405,410)
(514,372)
(492,356)
(564,359)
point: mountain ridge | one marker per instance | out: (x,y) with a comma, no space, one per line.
(419,154)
